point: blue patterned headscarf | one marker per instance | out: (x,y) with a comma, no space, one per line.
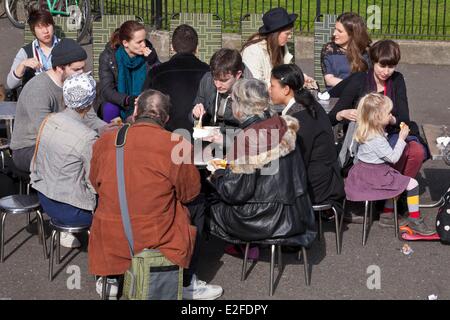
(79,91)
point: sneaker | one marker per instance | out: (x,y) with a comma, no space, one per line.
(419,226)
(112,287)
(387,220)
(239,250)
(68,240)
(200,290)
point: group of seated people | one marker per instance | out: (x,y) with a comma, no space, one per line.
(277,165)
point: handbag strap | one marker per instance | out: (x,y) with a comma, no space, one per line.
(38,139)
(120,143)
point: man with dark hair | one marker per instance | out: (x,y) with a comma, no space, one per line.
(44,95)
(213,102)
(35,57)
(179,77)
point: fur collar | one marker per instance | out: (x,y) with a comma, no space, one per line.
(287,126)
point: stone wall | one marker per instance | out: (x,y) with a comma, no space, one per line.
(413,52)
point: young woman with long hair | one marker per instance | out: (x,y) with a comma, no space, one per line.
(267,48)
(347,53)
(124,65)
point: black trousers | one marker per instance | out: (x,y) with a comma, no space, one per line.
(22,158)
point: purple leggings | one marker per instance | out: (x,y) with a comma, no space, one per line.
(110,111)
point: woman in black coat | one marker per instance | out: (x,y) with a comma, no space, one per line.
(123,67)
(383,78)
(261,194)
(315,136)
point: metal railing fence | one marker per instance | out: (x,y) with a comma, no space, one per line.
(410,19)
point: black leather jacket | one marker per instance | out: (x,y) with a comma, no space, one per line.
(253,207)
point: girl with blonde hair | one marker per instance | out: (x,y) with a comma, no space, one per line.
(372,177)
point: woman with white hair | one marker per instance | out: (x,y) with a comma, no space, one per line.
(61,161)
(262,192)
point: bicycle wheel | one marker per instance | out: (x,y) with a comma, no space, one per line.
(17,12)
(79,16)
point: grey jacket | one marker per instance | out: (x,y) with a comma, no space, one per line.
(60,167)
(377,150)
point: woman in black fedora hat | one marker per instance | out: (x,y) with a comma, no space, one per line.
(268,47)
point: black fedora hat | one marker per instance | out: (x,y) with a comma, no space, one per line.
(275,19)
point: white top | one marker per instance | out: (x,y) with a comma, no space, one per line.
(257,59)
(289,105)
(377,150)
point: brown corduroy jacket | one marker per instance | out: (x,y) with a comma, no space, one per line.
(157,188)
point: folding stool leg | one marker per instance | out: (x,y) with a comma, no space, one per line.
(40,225)
(306,266)
(2,236)
(244,263)
(396,218)
(104,284)
(365,223)
(272,262)
(338,229)
(52,250)
(58,247)
(320,226)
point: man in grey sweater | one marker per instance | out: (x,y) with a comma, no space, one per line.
(44,95)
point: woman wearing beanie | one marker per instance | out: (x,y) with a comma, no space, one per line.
(123,67)
(61,161)
(267,48)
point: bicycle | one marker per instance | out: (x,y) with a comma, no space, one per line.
(78,11)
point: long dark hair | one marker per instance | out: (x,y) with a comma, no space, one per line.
(359,40)
(276,53)
(384,52)
(36,17)
(125,32)
(291,75)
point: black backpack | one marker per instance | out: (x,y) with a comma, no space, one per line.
(443,219)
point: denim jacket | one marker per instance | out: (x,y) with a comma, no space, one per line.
(61,163)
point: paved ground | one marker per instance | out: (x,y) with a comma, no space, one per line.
(24,273)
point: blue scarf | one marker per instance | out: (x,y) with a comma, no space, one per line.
(131,76)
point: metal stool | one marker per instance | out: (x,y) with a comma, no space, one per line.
(4,146)
(368,211)
(57,228)
(272,263)
(323,207)
(19,204)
